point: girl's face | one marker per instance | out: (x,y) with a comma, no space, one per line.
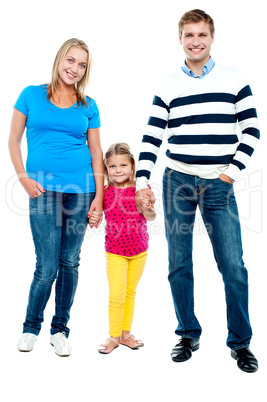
(119,170)
(73,67)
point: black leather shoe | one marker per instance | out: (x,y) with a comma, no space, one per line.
(246,361)
(183,350)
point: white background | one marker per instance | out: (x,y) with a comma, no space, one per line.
(134,45)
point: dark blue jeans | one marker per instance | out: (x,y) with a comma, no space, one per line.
(58,223)
(182,194)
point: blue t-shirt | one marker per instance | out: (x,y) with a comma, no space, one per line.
(58,154)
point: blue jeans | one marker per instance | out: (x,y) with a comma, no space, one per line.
(58,223)
(182,194)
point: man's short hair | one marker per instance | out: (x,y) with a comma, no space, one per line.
(193,17)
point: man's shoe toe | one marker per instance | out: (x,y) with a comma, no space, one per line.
(183,350)
(246,361)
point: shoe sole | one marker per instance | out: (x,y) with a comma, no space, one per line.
(135,348)
(22,350)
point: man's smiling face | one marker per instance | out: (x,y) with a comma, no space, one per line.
(196,40)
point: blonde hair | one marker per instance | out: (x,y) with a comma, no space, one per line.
(193,17)
(81,85)
(120,148)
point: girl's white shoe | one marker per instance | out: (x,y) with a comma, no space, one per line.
(26,342)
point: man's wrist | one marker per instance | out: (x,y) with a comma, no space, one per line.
(141,183)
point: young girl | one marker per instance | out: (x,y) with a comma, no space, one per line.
(126,244)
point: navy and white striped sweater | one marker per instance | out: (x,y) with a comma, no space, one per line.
(202,119)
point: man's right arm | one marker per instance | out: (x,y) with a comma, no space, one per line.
(151,143)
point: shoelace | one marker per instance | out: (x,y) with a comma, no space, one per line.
(61,339)
(27,337)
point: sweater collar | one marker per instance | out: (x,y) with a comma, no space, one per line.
(206,69)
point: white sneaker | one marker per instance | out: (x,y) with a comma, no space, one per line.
(61,346)
(26,342)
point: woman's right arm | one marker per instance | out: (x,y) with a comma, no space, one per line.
(18,123)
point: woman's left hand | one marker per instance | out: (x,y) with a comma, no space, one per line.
(95,213)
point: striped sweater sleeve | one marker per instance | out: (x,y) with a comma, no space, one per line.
(151,141)
(248,122)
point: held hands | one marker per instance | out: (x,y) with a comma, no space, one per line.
(94,220)
(144,200)
(148,208)
(146,203)
(95,213)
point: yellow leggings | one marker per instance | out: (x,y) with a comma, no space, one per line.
(123,275)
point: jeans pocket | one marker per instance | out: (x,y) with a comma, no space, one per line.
(168,171)
(226,182)
(38,196)
(36,203)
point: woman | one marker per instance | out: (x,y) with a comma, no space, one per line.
(64,180)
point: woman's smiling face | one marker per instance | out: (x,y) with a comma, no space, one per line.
(73,67)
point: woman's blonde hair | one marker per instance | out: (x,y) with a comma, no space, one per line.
(81,85)
(120,148)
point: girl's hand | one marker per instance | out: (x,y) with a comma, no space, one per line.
(139,195)
(33,188)
(93,219)
(146,203)
(148,209)
(95,213)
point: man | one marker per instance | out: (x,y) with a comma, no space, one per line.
(201,104)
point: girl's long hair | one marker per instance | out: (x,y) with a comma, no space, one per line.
(119,148)
(81,85)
